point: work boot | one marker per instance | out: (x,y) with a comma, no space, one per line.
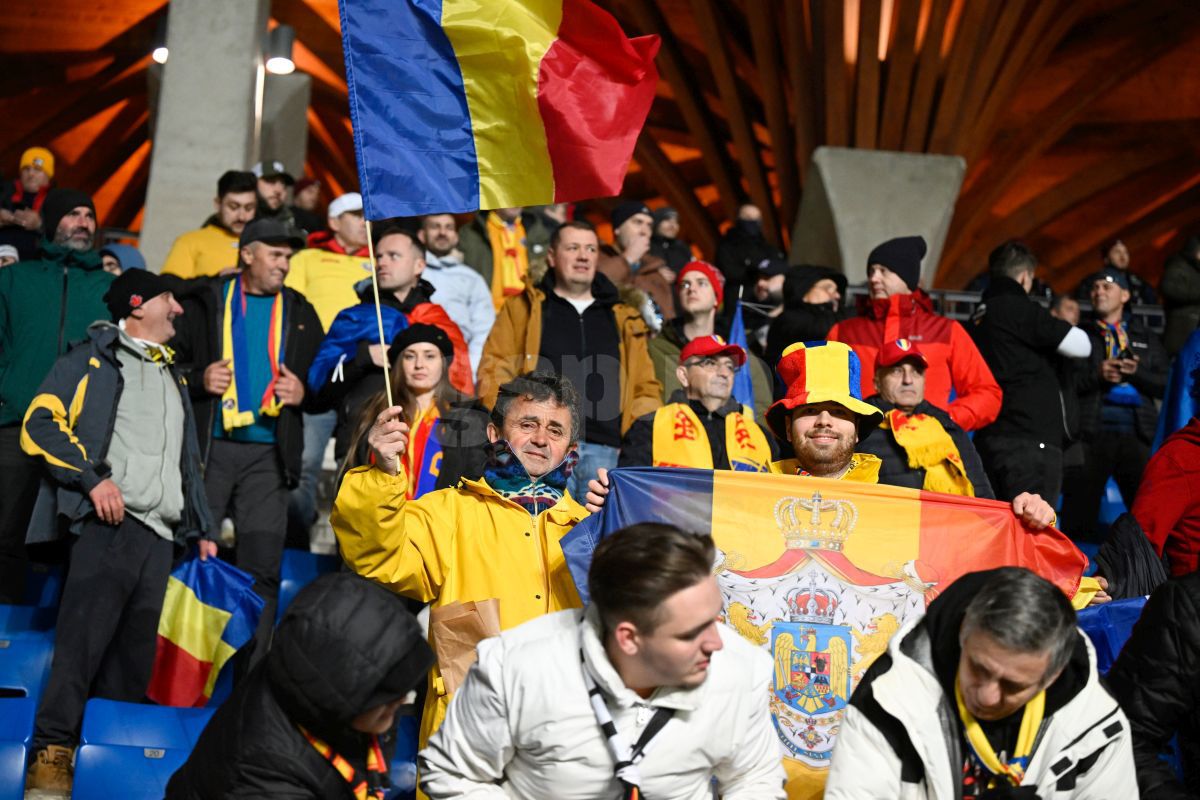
(53,769)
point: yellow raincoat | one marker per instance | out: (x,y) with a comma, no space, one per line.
(462,544)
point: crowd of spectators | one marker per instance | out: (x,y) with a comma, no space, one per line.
(525,357)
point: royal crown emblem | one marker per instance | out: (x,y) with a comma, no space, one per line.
(812,605)
(816,523)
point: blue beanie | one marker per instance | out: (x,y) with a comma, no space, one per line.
(128,256)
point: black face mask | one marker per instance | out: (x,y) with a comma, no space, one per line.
(750,227)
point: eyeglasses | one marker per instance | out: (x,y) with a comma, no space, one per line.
(708,362)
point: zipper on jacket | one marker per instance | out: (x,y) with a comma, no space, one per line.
(62,313)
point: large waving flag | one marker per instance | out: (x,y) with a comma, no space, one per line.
(1179,401)
(460,105)
(821,573)
(210,612)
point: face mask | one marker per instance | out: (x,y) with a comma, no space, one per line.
(750,227)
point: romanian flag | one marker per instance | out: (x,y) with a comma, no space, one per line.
(821,573)
(210,611)
(460,105)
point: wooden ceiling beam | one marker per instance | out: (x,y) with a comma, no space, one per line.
(829,23)
(744,142)
(998,46)
(693,218)
(902,56)
(763,16)
(125,210)
(799,67)
(677,72)
(866,105)
(970,38)
(322,39)
(929,68)
(114,145)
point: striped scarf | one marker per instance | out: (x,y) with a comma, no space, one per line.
(374,784)
(625,758)
(508,478)
(236,350)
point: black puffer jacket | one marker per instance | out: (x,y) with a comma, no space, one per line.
(801,321)
(1157,682)
(345,645)
(895,470)
(1150,379)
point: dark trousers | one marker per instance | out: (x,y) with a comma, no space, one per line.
(245,482)
(19,478)
(107,629)
(1120,456)
(1015,465)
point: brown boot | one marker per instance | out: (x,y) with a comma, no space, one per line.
(53,770)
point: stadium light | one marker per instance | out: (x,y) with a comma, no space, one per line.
(279,50)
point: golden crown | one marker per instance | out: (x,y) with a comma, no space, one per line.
(815,523)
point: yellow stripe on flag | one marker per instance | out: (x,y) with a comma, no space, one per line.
(500,45)
(190,624)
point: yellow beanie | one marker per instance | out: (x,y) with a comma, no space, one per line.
(38,157)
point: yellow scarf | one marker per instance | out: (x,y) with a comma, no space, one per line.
(681,441)
(510,261)
(863,468)
(1014,769)
(930,448)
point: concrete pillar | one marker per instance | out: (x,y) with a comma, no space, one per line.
(208,109)
(285,120)
(855,199)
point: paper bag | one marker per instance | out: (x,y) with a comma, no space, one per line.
(454,630)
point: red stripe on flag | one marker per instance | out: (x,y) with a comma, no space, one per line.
(595,88)
(179,677)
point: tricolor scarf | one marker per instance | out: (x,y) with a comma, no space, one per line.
(422,460)
(625,758)
(374,784)
(1012,770)
(679,440)
(1116,342)
(236,349)
(38,199)
(930,448)
(510,262)
(507,477)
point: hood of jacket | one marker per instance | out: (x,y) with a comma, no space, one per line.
(901,305)
(69,257)
(421,293)
(105,334)
(345,645)
(604,291)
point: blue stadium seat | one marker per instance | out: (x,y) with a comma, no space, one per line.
(1112,505)
(105,771)
(16,729)
(25,662)
(403,769)
(109,722)
(16,619)
(43,585)
(299,569)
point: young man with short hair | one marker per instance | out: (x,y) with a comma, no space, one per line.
(644,692)
(213,248)
(460,289)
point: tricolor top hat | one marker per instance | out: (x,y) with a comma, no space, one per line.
(819,372)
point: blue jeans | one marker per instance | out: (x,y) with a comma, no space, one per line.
(591,458)
(302,501)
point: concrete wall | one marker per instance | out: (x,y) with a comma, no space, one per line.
(855,199)
(285,120)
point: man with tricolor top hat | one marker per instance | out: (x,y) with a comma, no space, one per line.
(123,469)
(702,427)
(992,694)
(248,340)
(920,445)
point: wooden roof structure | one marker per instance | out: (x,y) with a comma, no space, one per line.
(1078,119)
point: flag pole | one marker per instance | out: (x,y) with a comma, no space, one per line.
(387,378)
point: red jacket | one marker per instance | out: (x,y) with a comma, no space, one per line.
(1168,500)
(954,361)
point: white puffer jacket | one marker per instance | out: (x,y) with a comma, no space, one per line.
(905,745)
(521,725)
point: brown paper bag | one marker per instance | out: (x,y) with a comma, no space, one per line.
(455,629)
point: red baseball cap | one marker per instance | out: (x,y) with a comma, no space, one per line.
(711,346)
(897,350)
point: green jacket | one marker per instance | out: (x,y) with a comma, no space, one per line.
(45,307)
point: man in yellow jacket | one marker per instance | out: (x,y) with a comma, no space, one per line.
(485,549)
(573,323)
(213,249)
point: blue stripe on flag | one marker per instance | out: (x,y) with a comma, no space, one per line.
(680,497)
(743,384)
(412,128)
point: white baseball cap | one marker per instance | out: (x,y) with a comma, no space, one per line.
(351,201)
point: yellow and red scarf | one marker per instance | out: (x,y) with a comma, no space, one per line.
(679,440)
(510,261)
(372,786)
(422,461)
(931,448)
(236,350)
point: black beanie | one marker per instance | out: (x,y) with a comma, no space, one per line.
(59,203)
(902,256)
(132,289)
(626,209)
(421,332)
